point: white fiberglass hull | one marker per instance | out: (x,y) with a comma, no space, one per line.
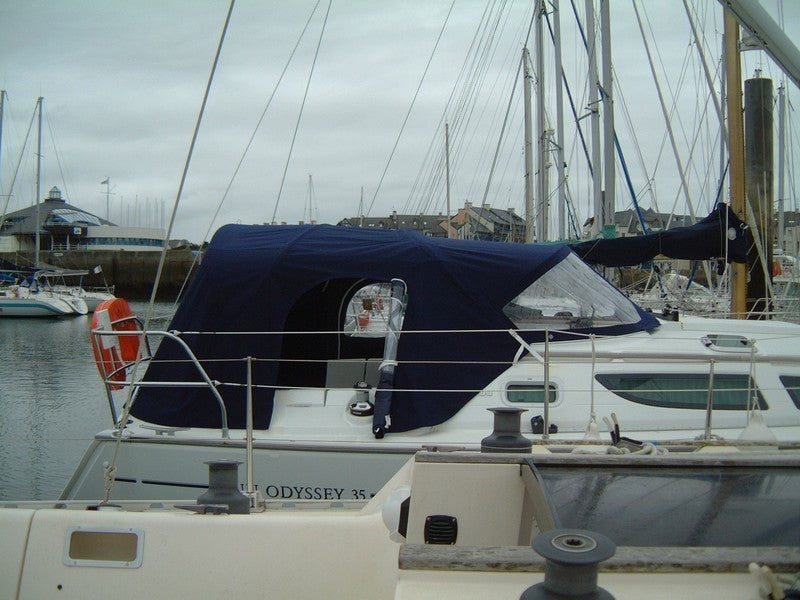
(315,445)
(33,306)
(383,548)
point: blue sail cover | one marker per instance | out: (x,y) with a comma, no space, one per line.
(288,279)
(719,235)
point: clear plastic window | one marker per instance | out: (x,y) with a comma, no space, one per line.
(570,296)
(368,311)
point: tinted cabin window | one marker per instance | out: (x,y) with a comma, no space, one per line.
(792,385)
(670,390)
(530,392)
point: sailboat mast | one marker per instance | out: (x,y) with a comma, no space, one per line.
(733,70)
(594,81)
(361,209)
(2,112)
(39,103)
(542,216)
(108,198)
(447,174)
(609,175)
(562,196)
(781,163)
(528,147)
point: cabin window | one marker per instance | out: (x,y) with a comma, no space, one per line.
(792,385)
(570,296)
(368,311)
(532,393)
(673,390)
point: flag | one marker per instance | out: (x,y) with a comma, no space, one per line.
(97,269)
(104,182)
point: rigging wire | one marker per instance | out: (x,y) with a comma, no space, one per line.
(246,150)
(110,470)
(408,114)
(466,103)
(58,158)
(511,81)
(300,114)
(19,162)
(260,121)
(502,134)
(437,134)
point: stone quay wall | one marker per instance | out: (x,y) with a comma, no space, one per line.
(131,273)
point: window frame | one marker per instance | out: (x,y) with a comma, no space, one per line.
(554,392)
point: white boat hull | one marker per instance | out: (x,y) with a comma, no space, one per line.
(33,306)
(315,442)
(380,550)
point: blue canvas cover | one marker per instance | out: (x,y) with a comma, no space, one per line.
(719,235)
(295,278)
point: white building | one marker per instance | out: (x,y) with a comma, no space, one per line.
(63,227)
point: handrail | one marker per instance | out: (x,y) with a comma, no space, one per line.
(208,382)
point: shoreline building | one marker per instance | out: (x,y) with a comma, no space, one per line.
(65,227)
(471,222)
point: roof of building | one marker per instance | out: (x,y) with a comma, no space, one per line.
(427,224)
(53,211)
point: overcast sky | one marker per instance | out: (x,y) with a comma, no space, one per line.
(123,81)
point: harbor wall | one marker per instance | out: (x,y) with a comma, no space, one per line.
(131,273)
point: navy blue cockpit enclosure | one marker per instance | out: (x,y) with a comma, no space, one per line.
(279,293)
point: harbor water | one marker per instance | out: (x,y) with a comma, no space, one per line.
(52,402)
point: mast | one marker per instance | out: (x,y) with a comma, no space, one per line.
(361,209)
(733,71)
(781,162)
(309,197)
(2,112)
(447,171)
(542,216)
(594,81)
(39,103)
(528,149)
(562,196)
(609,193)
(107,183)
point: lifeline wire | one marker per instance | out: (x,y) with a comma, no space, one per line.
(300,114)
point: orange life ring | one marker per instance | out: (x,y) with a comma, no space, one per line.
(113,353)
(776,268)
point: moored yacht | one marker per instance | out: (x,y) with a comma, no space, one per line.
(357,348)
(521,523)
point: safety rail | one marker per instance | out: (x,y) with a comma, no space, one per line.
(138,383)
(546,353)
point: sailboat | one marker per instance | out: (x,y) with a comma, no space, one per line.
(282,373)
(25,294)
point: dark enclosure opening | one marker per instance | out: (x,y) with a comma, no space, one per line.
(321,310)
